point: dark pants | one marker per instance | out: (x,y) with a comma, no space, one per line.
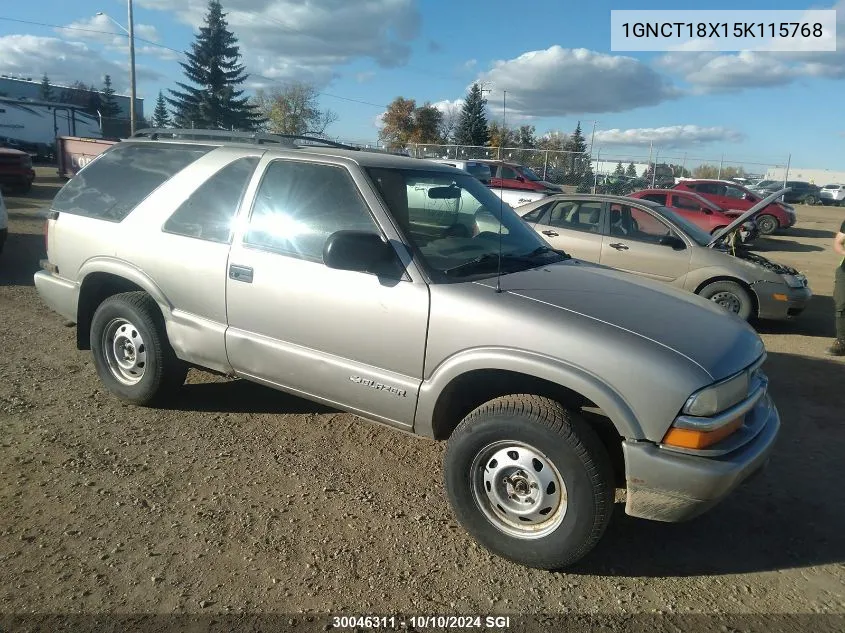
(839,302)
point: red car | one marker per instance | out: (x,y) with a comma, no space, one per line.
(516,176)
(734,197)
(16,169)
(700,211)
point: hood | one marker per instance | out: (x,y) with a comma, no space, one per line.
(694,328)
(745,217)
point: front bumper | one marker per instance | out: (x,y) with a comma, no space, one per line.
(671,486)
(771,303)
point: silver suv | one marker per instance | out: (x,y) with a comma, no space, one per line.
(340,276)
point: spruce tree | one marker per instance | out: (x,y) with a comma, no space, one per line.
(108,104)
(620,170)
(577,158)
(631,171)
(472,122)
(214,67)
(45,91)
(161,117)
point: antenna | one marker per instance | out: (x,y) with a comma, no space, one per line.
(501,191)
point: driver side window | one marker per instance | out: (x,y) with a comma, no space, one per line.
(682,202)
(507,173)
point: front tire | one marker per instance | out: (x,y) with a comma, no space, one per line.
(767,224)
(731,296)
(530,481)
(133,357)
(811,200)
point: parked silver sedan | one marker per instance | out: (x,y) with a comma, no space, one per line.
(644,238)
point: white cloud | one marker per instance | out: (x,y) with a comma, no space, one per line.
(100,29)
(290,39)
(560,81)
(364,77)
(64,61)
(470,64)
(669,136)
(447,106)
(710,72)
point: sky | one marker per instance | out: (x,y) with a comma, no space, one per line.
(552,58)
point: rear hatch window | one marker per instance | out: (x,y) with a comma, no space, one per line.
(119,179)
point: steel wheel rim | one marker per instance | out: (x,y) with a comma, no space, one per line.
(728,300)
(765,225)
(125,351)
(518,489)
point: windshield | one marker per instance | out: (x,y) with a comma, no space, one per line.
(530,175)
(452,222)
(697,235)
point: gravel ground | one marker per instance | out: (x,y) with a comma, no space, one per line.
(240,499)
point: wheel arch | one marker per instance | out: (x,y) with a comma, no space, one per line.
(103,279)
(467,380)
(755,300)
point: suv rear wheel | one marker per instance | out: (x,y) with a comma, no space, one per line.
(131,351)
(530,480)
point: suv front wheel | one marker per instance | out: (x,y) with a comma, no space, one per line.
(131,351)
(530,480)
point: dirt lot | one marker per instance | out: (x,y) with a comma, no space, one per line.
(242,499)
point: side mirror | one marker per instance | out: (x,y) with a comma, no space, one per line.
(673,241)
(520,179)
(360,251)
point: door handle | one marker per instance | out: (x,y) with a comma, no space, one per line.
(618,246)
(551,233)
(240,273)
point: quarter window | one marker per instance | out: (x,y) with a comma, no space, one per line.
(208,213)
(118,180)
(298,205)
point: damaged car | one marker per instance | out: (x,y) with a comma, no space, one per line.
(647,239)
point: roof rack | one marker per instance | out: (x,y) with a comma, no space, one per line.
(259,138)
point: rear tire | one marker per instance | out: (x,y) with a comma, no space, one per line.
(731,296)
(530,481)
(811,200)
(133,357)
(767,224)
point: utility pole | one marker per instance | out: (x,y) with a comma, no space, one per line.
(786,175)
(131,69)
(721,161)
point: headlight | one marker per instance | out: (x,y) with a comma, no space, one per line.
(716,398)
(795,281)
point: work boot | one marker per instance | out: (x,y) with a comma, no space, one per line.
(838,348)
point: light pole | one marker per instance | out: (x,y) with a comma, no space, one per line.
(131,33)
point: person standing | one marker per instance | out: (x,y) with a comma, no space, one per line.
(838,347)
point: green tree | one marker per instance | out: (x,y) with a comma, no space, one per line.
(527,139)
(161,116)
(45,91)
(213,66)
(294,109)
(108,103)
(620,170)
(472,122)
(577,160)
(631,171)
(553,141)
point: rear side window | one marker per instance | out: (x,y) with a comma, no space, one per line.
(118,180)
(660,198)
(207,214)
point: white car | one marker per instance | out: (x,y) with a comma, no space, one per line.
(833,194)
(4,222)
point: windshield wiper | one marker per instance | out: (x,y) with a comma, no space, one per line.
(542,250)
(486,258)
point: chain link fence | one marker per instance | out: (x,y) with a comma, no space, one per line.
(601,171)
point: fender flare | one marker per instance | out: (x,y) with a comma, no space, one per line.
(531,364)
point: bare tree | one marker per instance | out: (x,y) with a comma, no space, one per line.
(293,109)
(449,122)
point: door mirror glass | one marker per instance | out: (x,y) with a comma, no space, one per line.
(360,251)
